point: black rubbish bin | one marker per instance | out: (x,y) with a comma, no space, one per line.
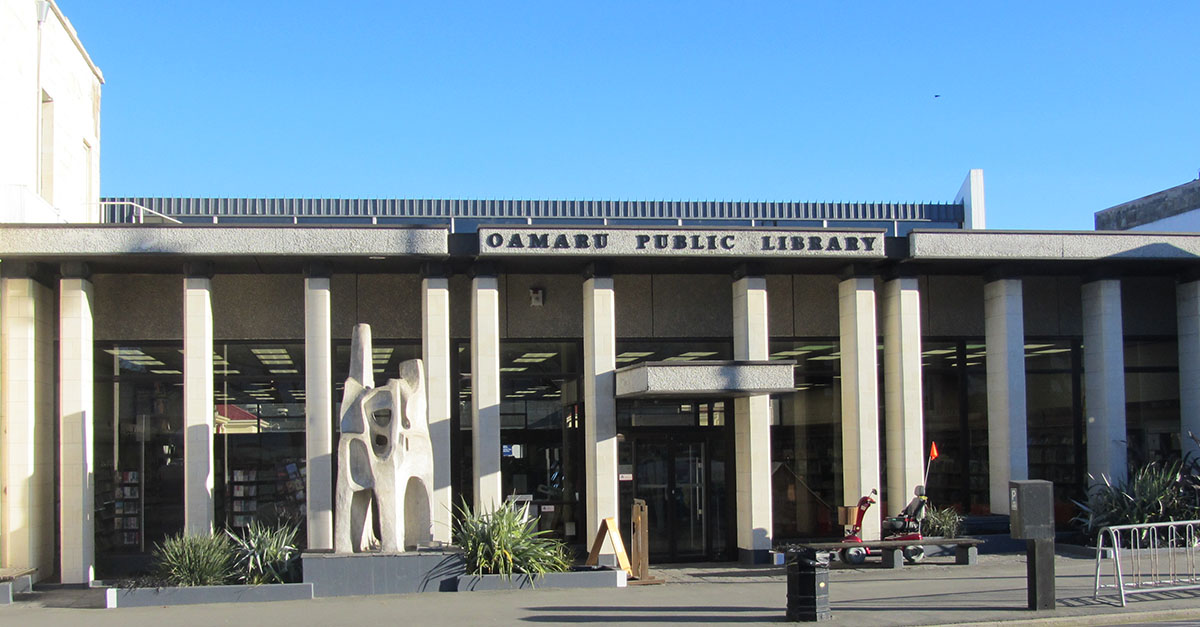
(807,585)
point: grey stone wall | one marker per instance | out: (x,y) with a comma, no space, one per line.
(814,305)
(258,306)
(951,305)
(138,306)
(1148,306)
(1053,306)
(391,304)
(693,305)
(561,314)
(780,321)
(634,305)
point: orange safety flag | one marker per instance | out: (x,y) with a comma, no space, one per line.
(933,451)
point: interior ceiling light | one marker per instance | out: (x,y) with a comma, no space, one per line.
(679,358)
(284,371)
(268,351)
(1038,345)
(537,356)
(636,354)
(165,371)
(1053,351)
(816,347)
(227,371)
(512,370)
(698,354)
(940,351)
(121,352)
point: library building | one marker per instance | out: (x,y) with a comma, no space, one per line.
(745,368)
(175,365)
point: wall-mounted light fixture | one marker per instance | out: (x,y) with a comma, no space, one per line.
(537,297)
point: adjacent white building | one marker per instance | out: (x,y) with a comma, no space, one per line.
(49,117)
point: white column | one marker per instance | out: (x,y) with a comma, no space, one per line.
(600,406)
(1104,380)
(318,409)
(197,405)
(904,420)
(1188,303)
(485,391)
(435,351)
(1004,332)
(752,424)
(860,396)
(26,426)
(75,380)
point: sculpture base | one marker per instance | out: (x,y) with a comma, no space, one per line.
(350,574)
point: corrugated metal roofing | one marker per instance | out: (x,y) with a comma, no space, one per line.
(444,209)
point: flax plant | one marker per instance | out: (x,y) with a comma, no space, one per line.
(503,542)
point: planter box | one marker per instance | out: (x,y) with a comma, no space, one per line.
(574,579)
(426,570)
(193,595)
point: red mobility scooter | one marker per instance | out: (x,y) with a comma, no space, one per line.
(905,527)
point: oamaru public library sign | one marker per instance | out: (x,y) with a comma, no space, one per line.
(681,242)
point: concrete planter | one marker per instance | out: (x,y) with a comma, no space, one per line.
(574,579)
(193,595)
(427,570)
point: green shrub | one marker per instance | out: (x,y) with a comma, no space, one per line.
(193,560)
(1154,492)
(502,542)
(265,553)
(944,523)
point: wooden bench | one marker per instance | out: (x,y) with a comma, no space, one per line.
(966,550)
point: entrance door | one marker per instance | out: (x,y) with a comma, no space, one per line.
(674,475)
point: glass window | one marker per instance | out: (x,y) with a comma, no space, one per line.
(806,441)
(138,449)
(258,434)
(630,352)
(1152,414)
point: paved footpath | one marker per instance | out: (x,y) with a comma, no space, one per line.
(935,592)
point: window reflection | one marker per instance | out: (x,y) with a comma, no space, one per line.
(138,440)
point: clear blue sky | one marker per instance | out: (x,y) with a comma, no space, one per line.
(1068,107)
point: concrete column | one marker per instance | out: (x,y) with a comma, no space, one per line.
(485,391)
(752,425)
(1004,332)
(197,405)
(600,406)
(904,419)
(318,407)
(26,423)
(1188,303)
(435,351)
(1104,380)
(860,395)
(75,381)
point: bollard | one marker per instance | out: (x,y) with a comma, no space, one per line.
(807,585)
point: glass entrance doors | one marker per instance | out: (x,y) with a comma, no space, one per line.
(674,456)
(670,477)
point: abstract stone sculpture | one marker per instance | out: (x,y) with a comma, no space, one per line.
(385,458)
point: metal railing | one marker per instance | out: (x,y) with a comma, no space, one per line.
(1154,557)
(138,214)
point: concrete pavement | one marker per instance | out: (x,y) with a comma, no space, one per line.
(935,592)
